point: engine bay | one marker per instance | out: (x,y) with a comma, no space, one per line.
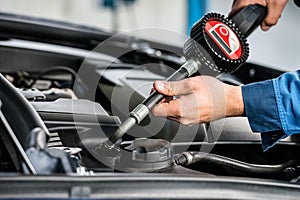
(79,98)
(77,125)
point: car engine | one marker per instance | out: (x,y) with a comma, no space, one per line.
(79,98)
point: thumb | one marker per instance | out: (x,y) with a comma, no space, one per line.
(173,88)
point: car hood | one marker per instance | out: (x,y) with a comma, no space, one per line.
(50,31)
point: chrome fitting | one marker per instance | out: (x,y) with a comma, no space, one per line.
(139,113)
(191,66)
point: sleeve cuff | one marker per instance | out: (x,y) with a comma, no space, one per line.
(269,139)
(257,97)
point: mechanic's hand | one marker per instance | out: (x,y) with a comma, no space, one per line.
(198,99)
(275,8)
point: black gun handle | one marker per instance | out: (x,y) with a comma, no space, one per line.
(249,18)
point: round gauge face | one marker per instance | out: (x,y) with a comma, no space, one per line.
(224,38)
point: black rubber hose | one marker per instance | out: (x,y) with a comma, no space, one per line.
(234,167)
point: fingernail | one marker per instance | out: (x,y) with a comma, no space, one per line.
(265,28)
(160,85)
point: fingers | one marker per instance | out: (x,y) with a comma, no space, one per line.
(168,108)
(172,108)
(181,110)
(173,88)
(275,8)
(239,4)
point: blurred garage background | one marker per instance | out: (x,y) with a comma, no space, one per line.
(278,47)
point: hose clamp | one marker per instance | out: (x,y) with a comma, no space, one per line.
(189,157)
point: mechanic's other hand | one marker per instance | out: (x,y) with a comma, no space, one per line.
(275,8)
(198,99)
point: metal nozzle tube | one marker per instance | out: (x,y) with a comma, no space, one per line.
(125,126)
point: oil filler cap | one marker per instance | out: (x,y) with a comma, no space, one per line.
(217,43)
(145,155)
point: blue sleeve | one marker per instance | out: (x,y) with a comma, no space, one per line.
(273,107)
